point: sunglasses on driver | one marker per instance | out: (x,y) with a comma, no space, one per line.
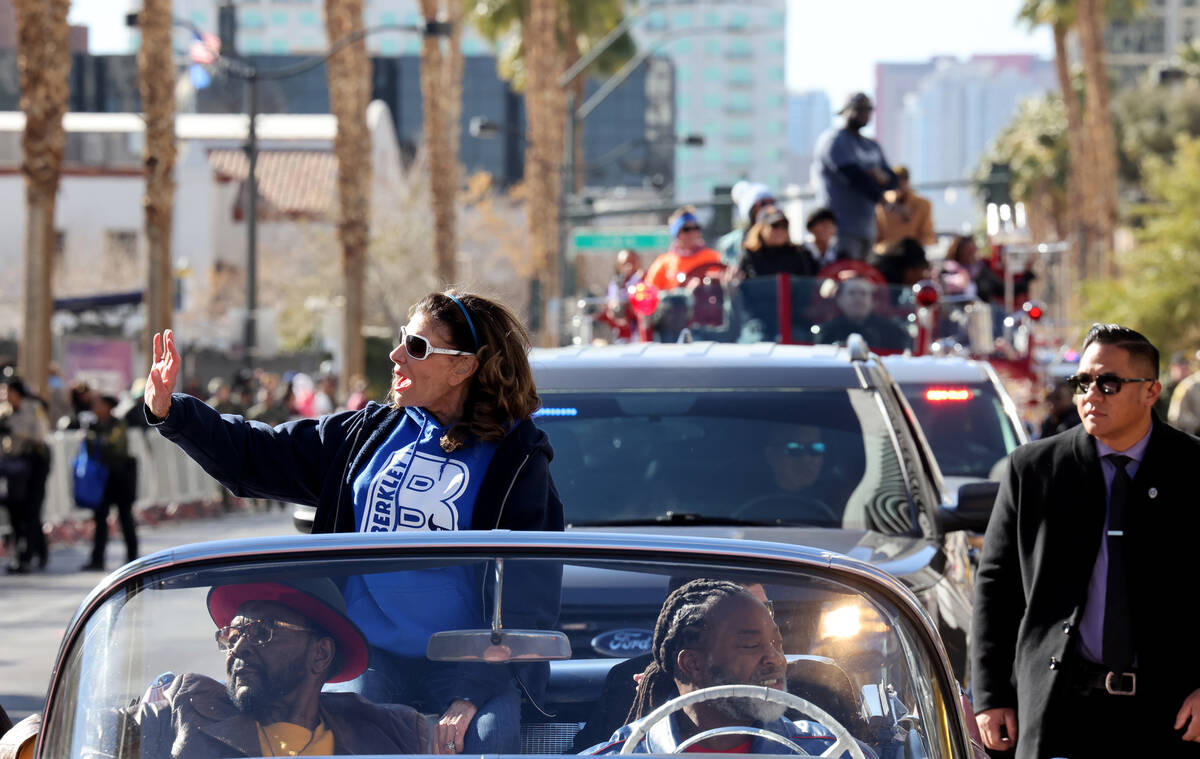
(419,348)
(805,449)
(1107,384)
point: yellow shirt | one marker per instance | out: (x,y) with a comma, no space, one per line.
(287,739)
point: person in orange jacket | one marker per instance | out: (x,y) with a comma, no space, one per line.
(687,252)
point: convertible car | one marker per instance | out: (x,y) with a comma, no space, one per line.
(864,665)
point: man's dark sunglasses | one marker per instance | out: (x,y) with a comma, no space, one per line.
(805,449)
(257,631)
(690,228)
(1108,384)
(780,225)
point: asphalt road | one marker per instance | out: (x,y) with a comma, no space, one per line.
(36,608)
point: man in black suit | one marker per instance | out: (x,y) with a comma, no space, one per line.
(1081,646)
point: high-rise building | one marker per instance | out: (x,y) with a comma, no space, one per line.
(1151,38)
(955,111)
(626,139)
(78,39)
(809,114)
(729,87)
(297,27)
(894,81)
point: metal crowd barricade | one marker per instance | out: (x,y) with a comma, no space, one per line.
(165,474)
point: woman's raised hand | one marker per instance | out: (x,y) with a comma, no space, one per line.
(163,374)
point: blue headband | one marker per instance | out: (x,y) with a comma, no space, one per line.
(461,307)
(677,225)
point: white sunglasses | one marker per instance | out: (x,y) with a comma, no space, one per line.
(418,347)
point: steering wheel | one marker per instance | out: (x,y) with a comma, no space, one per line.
(809,503)
(844,740)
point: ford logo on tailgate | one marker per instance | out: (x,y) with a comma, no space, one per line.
(629,642)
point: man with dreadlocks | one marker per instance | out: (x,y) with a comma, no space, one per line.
(712,632)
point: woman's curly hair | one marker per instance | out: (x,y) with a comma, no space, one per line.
(502,390)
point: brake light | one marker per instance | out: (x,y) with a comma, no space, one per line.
(948,394)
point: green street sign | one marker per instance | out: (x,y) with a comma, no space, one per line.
(611,239)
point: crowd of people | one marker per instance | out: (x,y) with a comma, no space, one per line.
(27,421)
(867,220)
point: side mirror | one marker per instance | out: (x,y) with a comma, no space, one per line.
(302,518)
(974,507)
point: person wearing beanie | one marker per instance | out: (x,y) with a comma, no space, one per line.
(750,198)
(686,254)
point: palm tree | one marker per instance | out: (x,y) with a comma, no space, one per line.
(441,95)
(544,133)
(43,64)
(1098,125)
(582,23)
(156,79)
(1059,15)
(349,73)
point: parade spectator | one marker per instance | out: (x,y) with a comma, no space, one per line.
(686,254)
(325,397)
(358,393)
(749,198)
(769,250)
(850,175)
(220,397)
(1184,411)
(822,228)
(23,417)
(80,414)
(271,403)
(1062,415)
(282,641)
(903,213)
(856,303)
(456,449)
(1068,631)
(957,271)
(1177,371)
(109,436)
(903,263)
(618,314)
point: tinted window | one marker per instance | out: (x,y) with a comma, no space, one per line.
(965,424)
(806,457)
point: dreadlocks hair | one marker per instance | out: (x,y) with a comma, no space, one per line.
(681,624)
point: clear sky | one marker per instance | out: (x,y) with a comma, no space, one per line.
(832,44)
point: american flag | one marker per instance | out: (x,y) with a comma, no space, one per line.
(205,49)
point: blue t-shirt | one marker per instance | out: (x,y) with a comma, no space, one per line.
(410,483)
(855,211)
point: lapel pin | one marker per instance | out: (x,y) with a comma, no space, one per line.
(1153,493)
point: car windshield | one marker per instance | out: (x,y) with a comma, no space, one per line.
(966,425)
(824,310)
(819,457)
(142,676)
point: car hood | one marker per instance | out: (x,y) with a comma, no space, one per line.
(907,557)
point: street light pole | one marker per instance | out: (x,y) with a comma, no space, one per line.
(241,69)
(250,335)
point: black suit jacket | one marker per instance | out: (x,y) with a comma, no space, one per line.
(1038,555)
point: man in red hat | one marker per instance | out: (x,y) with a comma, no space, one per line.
(282,641)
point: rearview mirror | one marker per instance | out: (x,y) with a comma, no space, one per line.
(974,507)
(497,645)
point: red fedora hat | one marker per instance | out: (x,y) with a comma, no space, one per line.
(317,598)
